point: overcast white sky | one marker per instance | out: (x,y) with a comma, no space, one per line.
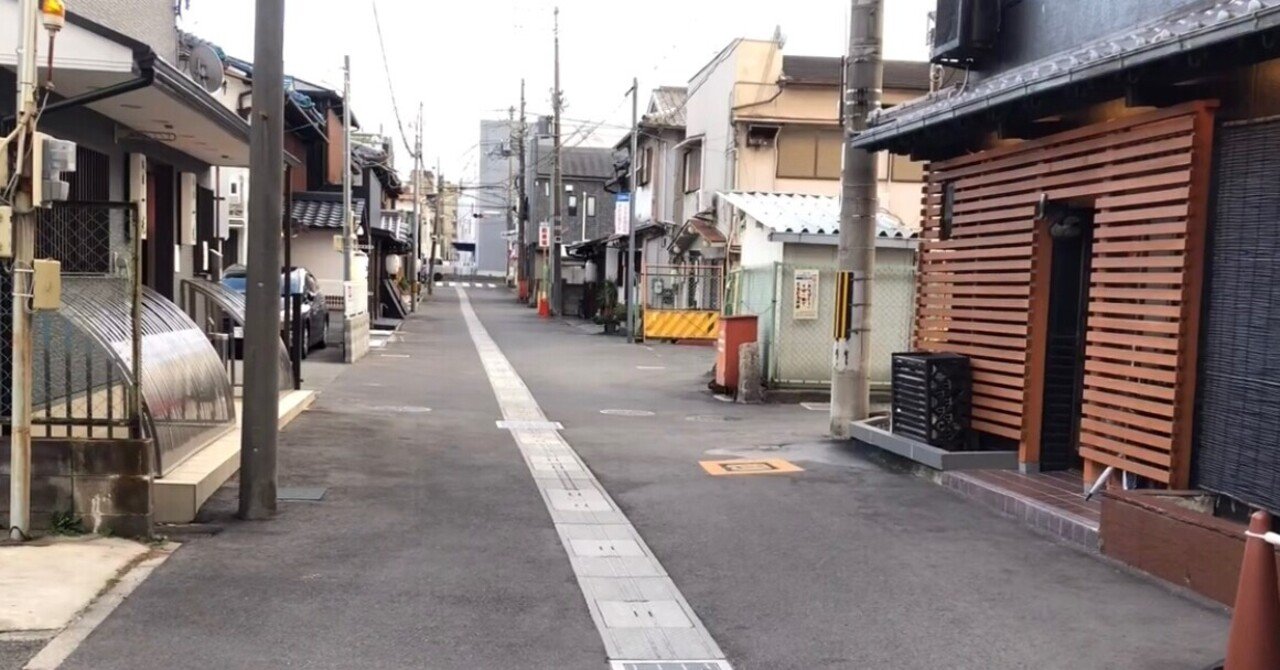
(464,60)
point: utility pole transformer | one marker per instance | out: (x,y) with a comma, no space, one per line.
(262,311)
(633,186)
(557,179)
(864,75)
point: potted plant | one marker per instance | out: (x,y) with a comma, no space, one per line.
(610,314)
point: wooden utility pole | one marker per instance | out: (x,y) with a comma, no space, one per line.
(557,179)
(511,177)
(435,232)
(855,259)
(262,294)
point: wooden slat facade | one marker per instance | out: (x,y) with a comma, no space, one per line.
(983,291)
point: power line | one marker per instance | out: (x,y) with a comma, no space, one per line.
(386,67)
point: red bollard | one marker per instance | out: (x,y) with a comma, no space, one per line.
(1254,641)
(544,306)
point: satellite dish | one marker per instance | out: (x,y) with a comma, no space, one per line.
(205,67)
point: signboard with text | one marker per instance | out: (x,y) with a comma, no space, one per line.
(805,295)
(622,214)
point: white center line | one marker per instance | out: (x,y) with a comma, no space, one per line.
(639,613)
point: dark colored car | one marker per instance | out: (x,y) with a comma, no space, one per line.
(315,313)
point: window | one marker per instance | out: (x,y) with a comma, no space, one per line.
(645,168)
(591,205)
(573,205)
(810,153)
(693,169)
(902,168)
(546,188)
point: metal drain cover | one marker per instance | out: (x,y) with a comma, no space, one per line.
(301,493)
(670,665)
(626,412)
(711,418)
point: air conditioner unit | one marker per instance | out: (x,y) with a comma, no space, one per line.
(964,31)
(932,395)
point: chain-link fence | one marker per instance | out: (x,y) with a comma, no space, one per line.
(796,307)
(81,384)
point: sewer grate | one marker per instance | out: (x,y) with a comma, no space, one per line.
(670,665)
(301,493)
(711,418)
(749,467)
(626,412)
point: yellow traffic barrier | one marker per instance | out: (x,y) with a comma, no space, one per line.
(681,324)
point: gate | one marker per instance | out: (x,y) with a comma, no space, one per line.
(682,302)
(85,368)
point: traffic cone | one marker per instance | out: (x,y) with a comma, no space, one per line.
(544,307)
(1254,640)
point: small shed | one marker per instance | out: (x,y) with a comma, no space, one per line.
(782,267)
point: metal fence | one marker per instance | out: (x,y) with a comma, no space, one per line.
(83,385)
(796,305)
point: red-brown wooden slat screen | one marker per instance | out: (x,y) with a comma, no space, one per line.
(983,291)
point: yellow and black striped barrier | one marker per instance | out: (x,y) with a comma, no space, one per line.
(844,306)
(681,324)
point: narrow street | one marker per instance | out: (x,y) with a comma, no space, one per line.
(432,547)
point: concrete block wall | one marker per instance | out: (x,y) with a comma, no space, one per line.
(356,334)
(104,483)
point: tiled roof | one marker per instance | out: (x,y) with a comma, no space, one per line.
(324,210)
(667,106)
(581,163)
(811,214)
(1200,25)
(898,74)
(396,225)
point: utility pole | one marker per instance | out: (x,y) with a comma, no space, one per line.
(435,232)
(523,195)
(511,173)
(23,252)
(631,216)
(417,217)
(262,311)
(864,74)
(348,218)
(557,179)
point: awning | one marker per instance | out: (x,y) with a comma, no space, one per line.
(128,83)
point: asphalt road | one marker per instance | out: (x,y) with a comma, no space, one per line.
(432,549)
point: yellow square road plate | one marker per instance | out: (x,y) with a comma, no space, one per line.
(768,466)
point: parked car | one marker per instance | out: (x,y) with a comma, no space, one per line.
(300,281)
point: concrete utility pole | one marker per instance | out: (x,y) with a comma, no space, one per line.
(348,218)
(631,221)
(435,232)
(864,74)
(557,179)
(415,258)
(262,311)
(23,252)
(522,220)
(511,173)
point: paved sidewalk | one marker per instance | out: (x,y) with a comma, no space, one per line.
(433,549)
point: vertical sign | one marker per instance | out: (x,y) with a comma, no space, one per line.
(622,214)
(544,235)
(804,297)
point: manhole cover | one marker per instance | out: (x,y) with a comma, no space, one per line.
(711,418)
(766,466)
(399,409)
(626,412)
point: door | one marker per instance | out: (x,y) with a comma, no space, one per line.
(1071,235)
